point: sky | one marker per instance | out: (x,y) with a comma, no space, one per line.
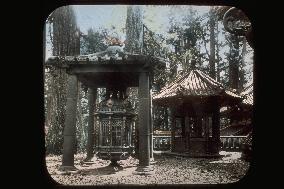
(156,18)
(106,16)
(100,16)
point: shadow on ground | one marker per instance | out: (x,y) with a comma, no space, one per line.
(106,170)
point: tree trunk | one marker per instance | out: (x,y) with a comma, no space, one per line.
(56,112)
(242,72)
(234,62)
(61,19)
(217,55)
(212,71)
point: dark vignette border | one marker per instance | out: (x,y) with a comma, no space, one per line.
(42,177)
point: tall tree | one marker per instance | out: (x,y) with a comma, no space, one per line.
(235,68)
(134,29)
(242,65)
(65,32)
(134,36)
(234,61)
(218,57)
(212,61)
(93,42)
(65,41)
(186,36)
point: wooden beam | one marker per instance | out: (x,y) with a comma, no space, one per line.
(99,80)
(108,68)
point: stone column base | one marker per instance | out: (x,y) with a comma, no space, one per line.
(144,170)
(152,161)
(67,168)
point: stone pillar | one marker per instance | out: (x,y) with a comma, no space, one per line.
(90,142)
(144,125)
(151,128)
(172,123)
(70,125)
(216,125)
(187,133)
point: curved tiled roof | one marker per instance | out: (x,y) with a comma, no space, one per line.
(113,54)
(247,94)
(193,83)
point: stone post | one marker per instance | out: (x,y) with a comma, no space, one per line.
(151,129)
(90,142)
(70,125)
(144,125)
(216,125)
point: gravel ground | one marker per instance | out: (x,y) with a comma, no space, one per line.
(167,170)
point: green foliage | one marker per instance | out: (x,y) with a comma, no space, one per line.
(93,42)
(185,38)
(188,39)
(82,120)
(55,116)
(64,39)
(134,28)
(65,36)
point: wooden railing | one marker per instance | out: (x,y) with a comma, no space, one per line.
(231,143)
(161,143)
(228,143)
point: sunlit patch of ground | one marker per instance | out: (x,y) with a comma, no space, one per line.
(168,170)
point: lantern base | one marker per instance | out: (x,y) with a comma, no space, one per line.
(114,163)
(114,166)
(88,159)
(144,170)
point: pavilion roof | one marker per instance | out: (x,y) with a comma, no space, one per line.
(247,95)
(194,83)
(113,54)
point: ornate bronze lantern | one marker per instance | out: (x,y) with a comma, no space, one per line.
(115,126)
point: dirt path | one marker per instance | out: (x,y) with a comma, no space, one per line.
(168,170)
